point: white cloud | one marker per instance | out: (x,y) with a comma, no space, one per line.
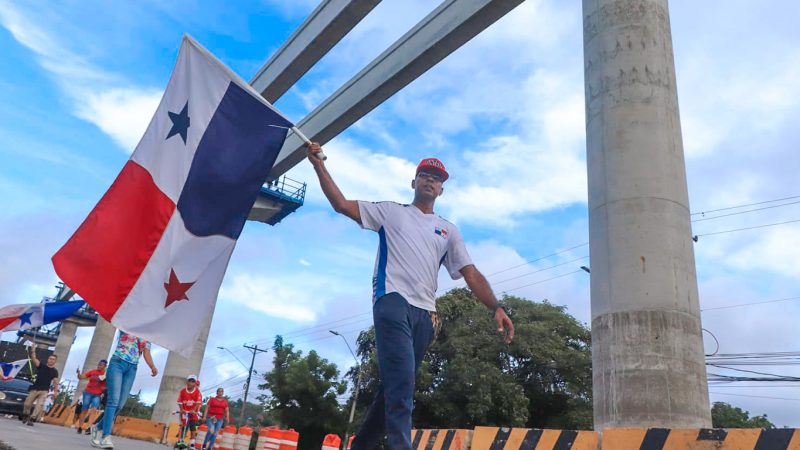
(305,263)
(773,251)
(362,174)
(722,103)
(123,114)
(285,298)
(115,106)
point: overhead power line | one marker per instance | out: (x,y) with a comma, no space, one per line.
(746,228)
(754,396)
(750,304)
(699,213)
(745,212)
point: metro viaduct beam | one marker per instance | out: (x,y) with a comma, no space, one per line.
(443,31)
(323,29)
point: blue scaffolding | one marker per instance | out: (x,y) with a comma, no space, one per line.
(277,199)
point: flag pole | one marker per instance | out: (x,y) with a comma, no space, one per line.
(303,138)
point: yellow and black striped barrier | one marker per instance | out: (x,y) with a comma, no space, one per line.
(494,438)
(700,439)
(441,439)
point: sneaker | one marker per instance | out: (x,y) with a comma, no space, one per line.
(106,442)
(93,431)
(95,441)
(29,423)
(79,431)
(87,432)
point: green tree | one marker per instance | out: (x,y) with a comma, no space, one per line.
(724,415)
(470,377)
(303,393)
(255,414)
(135,407)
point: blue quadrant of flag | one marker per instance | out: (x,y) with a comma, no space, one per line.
(230,164)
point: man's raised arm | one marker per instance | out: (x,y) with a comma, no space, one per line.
(340,204)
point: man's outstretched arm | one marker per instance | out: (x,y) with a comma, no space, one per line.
(480,287)
(340,204)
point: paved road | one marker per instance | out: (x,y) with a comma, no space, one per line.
(52,437)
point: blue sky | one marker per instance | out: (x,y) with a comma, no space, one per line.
(505,113)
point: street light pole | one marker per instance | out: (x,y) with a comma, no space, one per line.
(355,391)
(255,350)
(234,355)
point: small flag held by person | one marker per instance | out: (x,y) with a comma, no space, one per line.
(32,315)
(9,371)
(151,255)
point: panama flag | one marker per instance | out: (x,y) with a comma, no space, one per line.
(151,255)
(9,371)
(33,315)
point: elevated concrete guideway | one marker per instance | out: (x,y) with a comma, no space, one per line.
(442,32)
(323,29)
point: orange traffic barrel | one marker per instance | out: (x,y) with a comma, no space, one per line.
(201,436)
(289,440)
(331,442)
(226,438)
(271,439)
(243,439)
(350,441)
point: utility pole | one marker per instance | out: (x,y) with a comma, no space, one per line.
(254,350)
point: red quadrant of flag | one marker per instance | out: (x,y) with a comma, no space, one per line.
(105,257)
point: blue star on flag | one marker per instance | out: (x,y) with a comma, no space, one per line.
(180,122)
(25,318)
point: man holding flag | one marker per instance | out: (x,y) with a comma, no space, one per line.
(151,255)
(46,378)
(414,243)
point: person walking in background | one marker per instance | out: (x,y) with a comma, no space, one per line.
(217,413)
(94,389)
(189,401)
(76,415)
(46,378)
(120,374)
(98,421)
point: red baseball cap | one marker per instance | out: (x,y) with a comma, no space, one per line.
(434,165)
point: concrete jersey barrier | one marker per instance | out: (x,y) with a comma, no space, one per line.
(440,439)
(496,438)
(700,439)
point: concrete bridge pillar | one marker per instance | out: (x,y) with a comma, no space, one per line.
(63,344)
(648,366)
(176,370)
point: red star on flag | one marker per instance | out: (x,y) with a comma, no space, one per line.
(175,289)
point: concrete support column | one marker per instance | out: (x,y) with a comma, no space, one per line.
(99,348)
(66,337)
(175,372)
(647,348)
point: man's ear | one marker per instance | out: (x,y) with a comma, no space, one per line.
(441,192)
(413,184)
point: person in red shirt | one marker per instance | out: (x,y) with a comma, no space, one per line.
(189,401)
(216,413)
(93,391)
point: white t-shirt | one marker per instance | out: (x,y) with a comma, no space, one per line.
(413,245)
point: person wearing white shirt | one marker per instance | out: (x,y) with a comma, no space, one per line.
(414,243)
